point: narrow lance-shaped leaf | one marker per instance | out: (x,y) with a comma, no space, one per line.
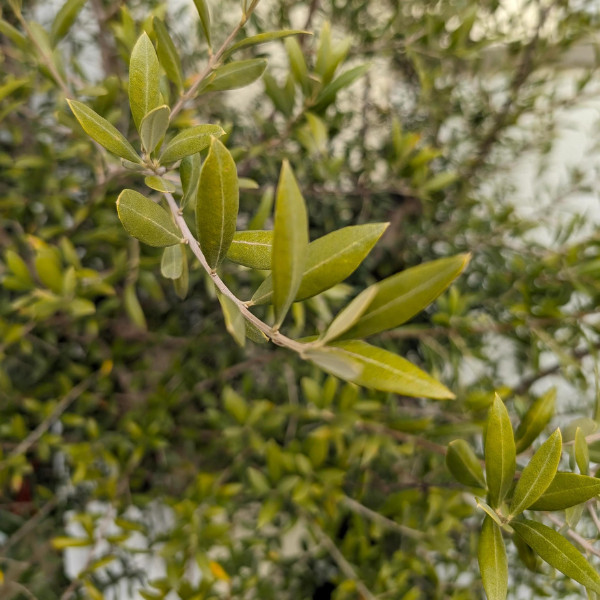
(328,94)
(290,243)
(581,452)
(204,14)
(234,320)
(154,126)
(403,295)
(252,249)
(146,220)
(384,371)
(535,420)
(566,490)
(558,552)
(64,19)
(217,203)
(144,79)
(493,564)
(100,130)
(464,465)
(190,141)
(235,75)
(298,64)
(189,172)
(171,264)
(500,456)
(262,38)
(263,212)
(331,259)
(348,316)
(537,475)
(167,53)
(181,284)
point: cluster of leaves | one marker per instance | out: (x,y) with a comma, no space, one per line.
(118,385)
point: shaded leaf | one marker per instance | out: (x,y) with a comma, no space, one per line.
(500,459)
(144,79)
(217,203)
(235,75)
(535,420)
(464,464)
(252,249)
(581,452)
(190,141)
(204,14)
(146,220)
(171,264)
(167,53)
(100,130)
(64,19)
(189,171)
(298,64)
(566,490)
(234,320)
(537,475)
(263,211)
(557,552)
(154,126)
(331,259)
(328,94)
(493,563)
(385,371)
(403,295)
(133,306)
(290,243)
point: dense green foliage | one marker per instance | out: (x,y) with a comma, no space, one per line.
(190,267)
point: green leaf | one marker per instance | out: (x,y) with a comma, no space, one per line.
(270,508)
(493,564)
(290,243)
(537,475)
(144,79)
(204,14)
(189,172)
(48,267)
(167,53)
(233,75)
(146,220)
(234,320)
(252,249)
(349,315)
(557,552)
(18,267)
(62,542)
(171,264)
(464,464)
(154,126)
(133,307)
(217,203)
(263,38)
(535,420)
(100,130)
(486,508)
(581,452)
(263,211)
(331,259)
(190,141)
(566,490)
(384,371)
(255,334)
(298,64)
(500,459)
(328,94)
(403,295)
(181,284)
(64,19)
(160,184)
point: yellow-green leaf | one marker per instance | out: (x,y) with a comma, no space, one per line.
(349,315)
(234,320)
(217,203)
(154,126)
(146,220)
(500,456)
(160,184)
(263,211)
(464,465)
(133,306)
(204,14)
(167,53)
(328,94)
(403,295)
(62,542)
(64,19)
(190,141)
(262,38)
(566,490)
(171,264)
(290,243)
(233,75)
(252,249)
(330,259)
(144,79)
(537,475)
(385,371)
(189,172)
(298,64)
(493,564)
(558,552)
(100,130)
(581,452)
(535,420)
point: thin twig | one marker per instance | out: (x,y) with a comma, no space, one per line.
(585,544)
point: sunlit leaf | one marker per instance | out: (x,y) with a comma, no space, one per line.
(190,141)
(566,490)
(349,315)
(235,75)
(251,249)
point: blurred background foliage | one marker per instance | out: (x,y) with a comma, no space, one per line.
(139,438)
